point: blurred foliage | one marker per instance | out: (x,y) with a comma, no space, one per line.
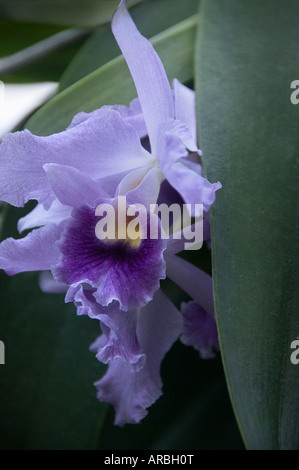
(112,83)
(61,12)
(152,17)
(44,402)
(15,37)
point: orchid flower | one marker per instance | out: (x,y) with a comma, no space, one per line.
(100,157)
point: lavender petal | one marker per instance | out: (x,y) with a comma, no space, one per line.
(132,392)
(148,73)
(90,147)
(36,252)
(199,330)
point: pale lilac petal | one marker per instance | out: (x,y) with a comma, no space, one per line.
(39,216)
(118,271)
(184,103)
(119,328)
(72,187)
(132,392)
(119,338)
(192,280)
(147,70)
(36,252)
(110,183)
(147,191)
(108,145)
(194,188)
(131,180)
(178,240)
(178,140)
(142,186)
(48,285)
(183,174)
(79,118)
(168,195)
(83,298)
(21,174)
(199,330)
(91,147)
(133,116)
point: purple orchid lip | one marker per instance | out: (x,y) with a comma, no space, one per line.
(116,270)
(131,223)
(122,223)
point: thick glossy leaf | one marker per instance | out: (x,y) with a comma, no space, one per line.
(112,83)
(246,60)
(152,17)
(47,397)
(61,12)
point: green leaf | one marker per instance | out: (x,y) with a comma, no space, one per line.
(45,61)
(247,57)
(61,12)
(112,83)
(47,397)
(17,36)
(152,17)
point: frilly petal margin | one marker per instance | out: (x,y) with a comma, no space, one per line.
(35,252)
(119,338)
(174,139)
(199,330)
(142,186)
(40,216)
(131,392)
(90,147)
(194,188)
(132,115)
(184,104)
(72,187)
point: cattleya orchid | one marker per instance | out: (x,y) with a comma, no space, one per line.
(147,152)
